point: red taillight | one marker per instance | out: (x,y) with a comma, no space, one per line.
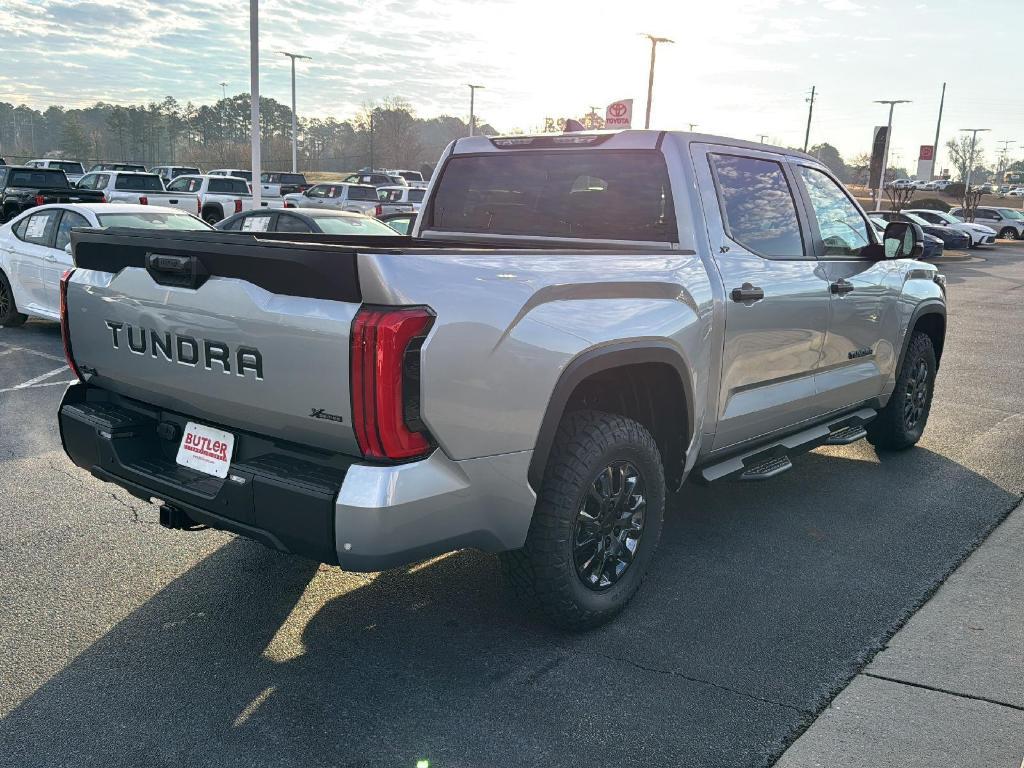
(199,207)
(238,206)
(143,200)
(378,211)
(289,204)
(385,384)
(40,200)
(103,197)
(65,332)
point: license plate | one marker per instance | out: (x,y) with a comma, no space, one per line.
(206,449)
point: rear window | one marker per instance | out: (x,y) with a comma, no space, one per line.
(605,195)
(416,195)
(293,178)
(229,186)
(148,182)
(67,167)
(42,177)
(411,175)
(362,193)
(353,225)
(154,220)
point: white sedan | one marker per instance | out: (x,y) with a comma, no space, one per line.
(979,233)
(35,250)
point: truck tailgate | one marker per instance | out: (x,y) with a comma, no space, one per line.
(249,335)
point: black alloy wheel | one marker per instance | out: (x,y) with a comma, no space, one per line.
(609,525)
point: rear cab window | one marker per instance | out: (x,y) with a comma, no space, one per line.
(362,193)
(39,178)
(143,182)
(229,186)
(757,204)
(595,194)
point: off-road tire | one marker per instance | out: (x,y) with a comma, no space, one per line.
(1008,233)
(893,428)
(211,216)
(9,314)
(544,572)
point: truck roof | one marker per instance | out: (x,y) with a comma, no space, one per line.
(633,138)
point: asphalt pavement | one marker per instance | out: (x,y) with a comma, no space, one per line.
(123,644)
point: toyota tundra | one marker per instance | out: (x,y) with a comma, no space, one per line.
(578,323)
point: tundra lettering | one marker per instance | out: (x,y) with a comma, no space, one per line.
(187,349)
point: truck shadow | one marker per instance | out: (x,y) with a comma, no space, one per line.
(764,600)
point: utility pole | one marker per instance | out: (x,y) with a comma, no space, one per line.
(692,126)
(650,77)
(295,123)
(762,137)
(810,111)
(371,138)
(1002,158)
(938,124)
(885,154)
(970,164)
(224,89)
(472,107)
(254,99)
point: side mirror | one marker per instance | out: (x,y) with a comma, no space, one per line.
(903,240)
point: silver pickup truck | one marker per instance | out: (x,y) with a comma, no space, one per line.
(578,324)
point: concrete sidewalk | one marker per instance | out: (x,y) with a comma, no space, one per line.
(948,690)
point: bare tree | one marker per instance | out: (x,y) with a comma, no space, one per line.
(970,201)
(899,197)
(960,154)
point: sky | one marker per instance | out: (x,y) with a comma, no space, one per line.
(739,68)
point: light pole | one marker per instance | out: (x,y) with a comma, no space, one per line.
(224,97)
(885,153)
(970,162)
(472,106)
(254,98)
(295,128)
(692,126)
(650,77)
(762,136)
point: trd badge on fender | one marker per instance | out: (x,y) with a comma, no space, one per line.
(864,352)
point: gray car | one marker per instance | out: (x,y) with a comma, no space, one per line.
(578,324)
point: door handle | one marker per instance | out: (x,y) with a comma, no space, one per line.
(840,287)
(747,292)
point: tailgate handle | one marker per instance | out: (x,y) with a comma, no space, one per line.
(176,271)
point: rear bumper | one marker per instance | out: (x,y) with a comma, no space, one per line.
(327,507)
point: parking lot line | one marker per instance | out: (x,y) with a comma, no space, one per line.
(12,348)
(22,387)
(37,380)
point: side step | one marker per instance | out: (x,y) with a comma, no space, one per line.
(847,435)
(774,458)
(768,469)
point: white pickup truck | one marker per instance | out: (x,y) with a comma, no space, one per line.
(140,188)
(219,196)
(337,196)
